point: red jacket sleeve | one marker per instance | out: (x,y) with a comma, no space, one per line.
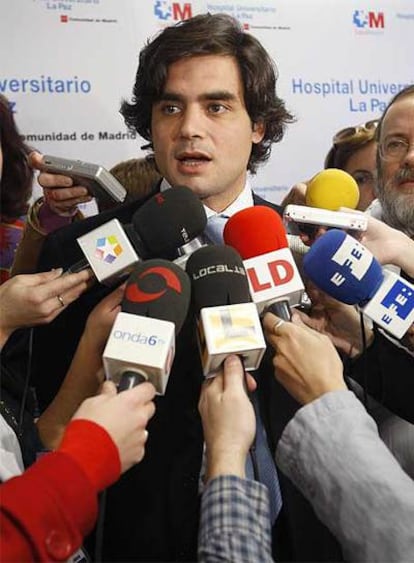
(46,512)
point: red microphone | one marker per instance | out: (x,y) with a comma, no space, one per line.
(258,234)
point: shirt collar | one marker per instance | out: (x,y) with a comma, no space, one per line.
(242,201)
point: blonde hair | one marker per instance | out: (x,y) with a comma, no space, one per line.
(137,175)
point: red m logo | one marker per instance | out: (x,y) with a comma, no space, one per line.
(376,19)
(181,11)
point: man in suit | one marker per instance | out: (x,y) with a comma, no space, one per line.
(204,98)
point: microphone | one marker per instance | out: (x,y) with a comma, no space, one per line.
(331,189)
(346,270)
(326,193)
(257,233)
(109,252)
(141,345)
(166,222)
(170,222)
(228,322)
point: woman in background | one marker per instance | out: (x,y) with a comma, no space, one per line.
(16,179)
(354,150)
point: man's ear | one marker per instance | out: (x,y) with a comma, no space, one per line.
(258,132)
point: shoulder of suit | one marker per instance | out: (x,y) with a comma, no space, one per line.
(257,200)
(123,213)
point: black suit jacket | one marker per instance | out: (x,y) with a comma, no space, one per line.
(152,511)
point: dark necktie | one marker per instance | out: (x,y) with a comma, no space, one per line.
(265,470)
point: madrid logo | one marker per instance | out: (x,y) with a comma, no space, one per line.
(368,20)
(166,10)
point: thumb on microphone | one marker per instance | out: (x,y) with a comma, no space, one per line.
(108,388)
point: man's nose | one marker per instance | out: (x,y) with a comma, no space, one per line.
(409,157)
(192,123)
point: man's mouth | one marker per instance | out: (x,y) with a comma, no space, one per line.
(407,177)
(193,158)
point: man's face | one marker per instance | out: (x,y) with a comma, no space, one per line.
(201,131)
(396,175)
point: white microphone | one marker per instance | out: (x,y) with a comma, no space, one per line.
(108,252)
(228,321)
(141,345)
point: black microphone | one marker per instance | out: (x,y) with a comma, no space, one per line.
(141,345)
(170,222)
(228,321)
(167,223)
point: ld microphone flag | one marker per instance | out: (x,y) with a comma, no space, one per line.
(257,233)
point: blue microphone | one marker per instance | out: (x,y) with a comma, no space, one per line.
(347,271)
(343,268)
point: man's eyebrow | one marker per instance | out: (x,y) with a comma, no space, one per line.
(216,95)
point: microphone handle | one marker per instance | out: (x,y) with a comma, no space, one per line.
(130,379)
(78,267)
(281,309)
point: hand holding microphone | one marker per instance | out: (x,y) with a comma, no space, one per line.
(228,418)
(388,245)
(34,299)
(326,193)
(306,376)
(124,416)
(62,196)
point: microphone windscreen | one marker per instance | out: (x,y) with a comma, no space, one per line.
(343,268)
(331,189)
(255,231)
(158,289)
(217,277)
(169,220)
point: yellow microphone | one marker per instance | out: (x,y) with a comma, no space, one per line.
(331,189)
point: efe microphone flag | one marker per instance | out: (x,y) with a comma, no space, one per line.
(346,270)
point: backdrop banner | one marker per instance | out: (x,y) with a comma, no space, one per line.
(67,65)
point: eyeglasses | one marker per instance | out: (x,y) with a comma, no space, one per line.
(350,133)
(394,148)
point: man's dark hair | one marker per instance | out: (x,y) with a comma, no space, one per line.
(17,176)
(208,34)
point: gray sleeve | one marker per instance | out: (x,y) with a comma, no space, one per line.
(332,452)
